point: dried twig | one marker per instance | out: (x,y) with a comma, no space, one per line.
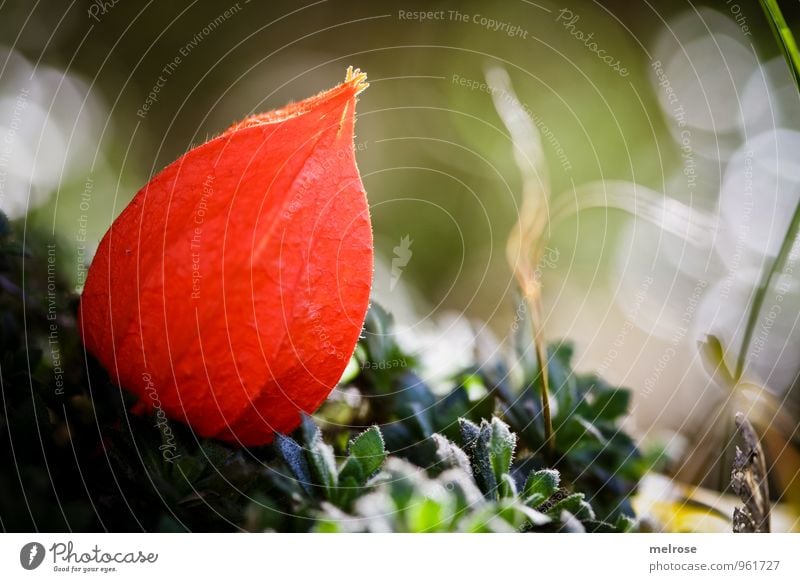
(527,240)
(749,482)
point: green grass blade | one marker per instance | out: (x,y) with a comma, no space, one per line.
(786,40)
(784,37)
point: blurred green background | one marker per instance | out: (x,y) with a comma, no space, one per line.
(437,163)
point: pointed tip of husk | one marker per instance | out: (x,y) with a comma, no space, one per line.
(357,78)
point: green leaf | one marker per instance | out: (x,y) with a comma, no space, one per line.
(574,504)
(347,490)
(190,467)
(463,490)
(292,454)
(367,453)
(329,526)
(323,465)
(570,523)
(595,526)
(401,480)
(448,455)
(486,520)
(490,447)
(377,325)
(476,444)
(369,449)
(469,432)
(540,486)
(320,457)
(591,429)
(309,431)
(425,515)
(534,517)
(611,404)
(716,358)
(501,448)
(418,416)
(625,523)
(506,487)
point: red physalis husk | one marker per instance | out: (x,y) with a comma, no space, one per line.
(230,293)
